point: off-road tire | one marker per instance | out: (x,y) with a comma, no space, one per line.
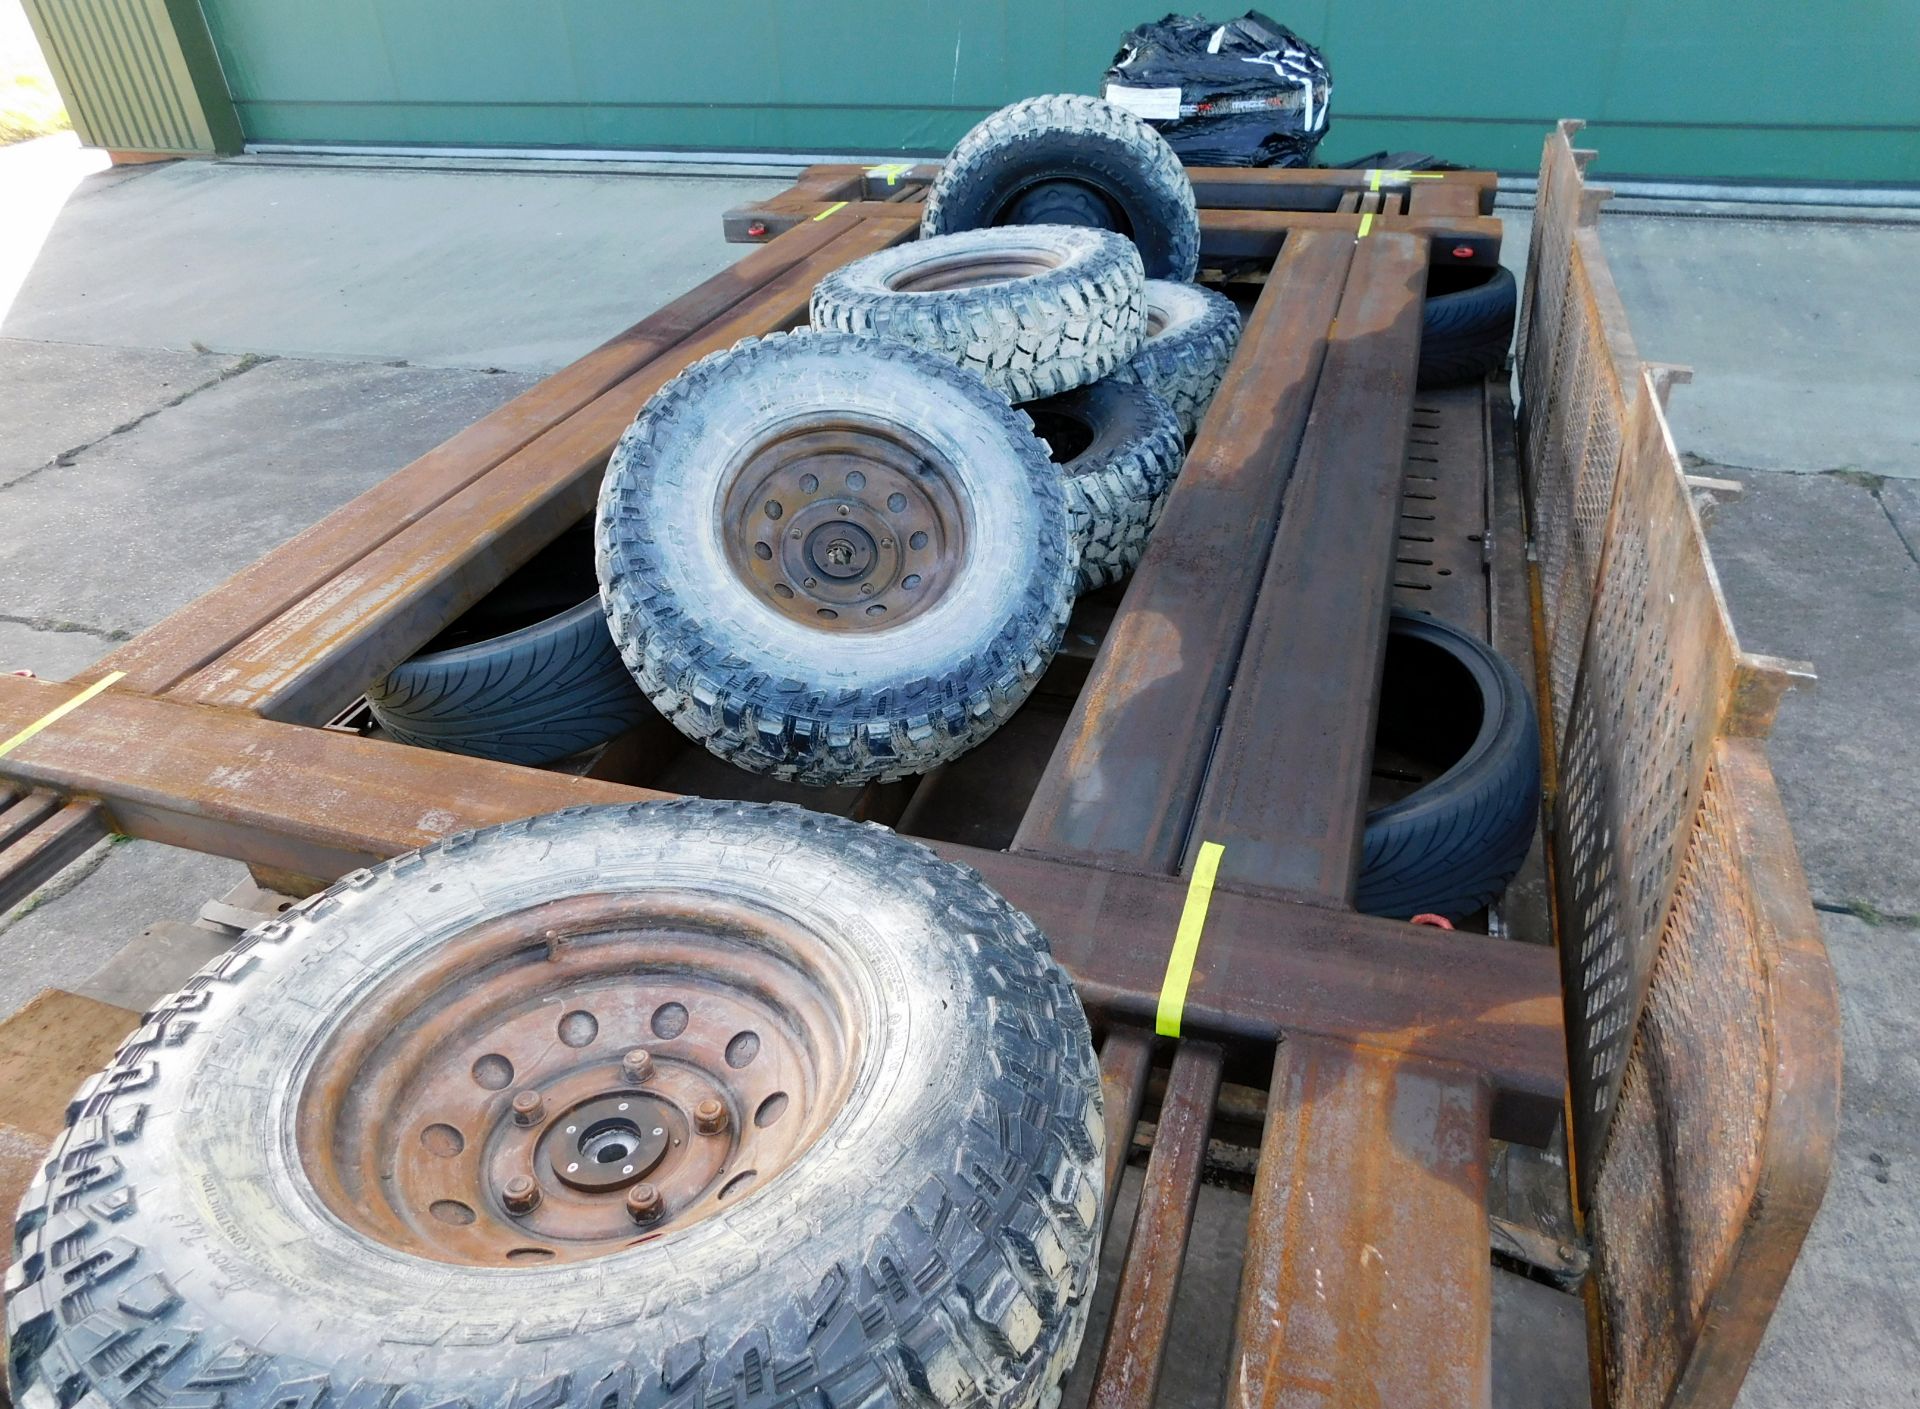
(936,1246)
(1072,311)
(1465,331)
(1450,847)
(530,696)
(1191,336)
(1021,163)
(1129,449)
(821,707)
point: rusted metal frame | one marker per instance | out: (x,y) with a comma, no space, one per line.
(1258,187)
(1286,792)
(1136,1338)
(165,654)
(1803,1102)
(1225,235)
(55,840)
(1367,1278)
(1152,701)
(1440,561)
(321,803)
(312,659)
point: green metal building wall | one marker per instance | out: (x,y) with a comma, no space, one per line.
(1684,88)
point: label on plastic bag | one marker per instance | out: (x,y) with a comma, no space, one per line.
(1153,104)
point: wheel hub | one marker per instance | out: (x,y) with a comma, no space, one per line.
(847,527)
(556,1084)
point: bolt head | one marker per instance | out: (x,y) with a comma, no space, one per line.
(808,582)
(643,1202)
(520,1194)
(636,1066)
(844,511)
(528,1107)
(710,1117)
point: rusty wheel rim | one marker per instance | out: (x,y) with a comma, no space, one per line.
(562,1083)
(845,524)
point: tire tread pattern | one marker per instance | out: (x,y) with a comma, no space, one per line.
(1187,360)
(975,1298)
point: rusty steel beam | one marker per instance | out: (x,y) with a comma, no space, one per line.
(319,803)
(1287,794)
(1136,1338)
(1367,1278)
(165,654)
(38,853)
(1126,1061)
(309,662)
(1149,708)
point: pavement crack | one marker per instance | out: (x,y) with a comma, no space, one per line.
(56,624)
(1868,914)
(66,458)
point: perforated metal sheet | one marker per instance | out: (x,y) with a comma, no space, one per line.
(1683,1158)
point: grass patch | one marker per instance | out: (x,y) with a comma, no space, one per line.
(30,106)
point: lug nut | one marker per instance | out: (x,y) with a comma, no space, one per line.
(643,1203)
(710,1117)
(528,1107)
(520,1194)
(636,1066)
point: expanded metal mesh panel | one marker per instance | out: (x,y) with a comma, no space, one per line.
(1683,1159)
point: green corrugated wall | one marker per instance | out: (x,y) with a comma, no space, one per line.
(1685,88)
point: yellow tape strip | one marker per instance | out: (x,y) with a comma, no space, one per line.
(893,171)
(1366,224)
(60,711)
(829,210)
(1376,175)
(1186,940)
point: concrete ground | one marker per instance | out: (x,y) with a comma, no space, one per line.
(200,359)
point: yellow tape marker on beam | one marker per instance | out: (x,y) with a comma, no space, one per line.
(829,210)
(1186,940)
(1366,224)
(893,171)
(60,712)
(1377,175)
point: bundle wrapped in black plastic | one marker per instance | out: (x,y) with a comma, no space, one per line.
(1249,92)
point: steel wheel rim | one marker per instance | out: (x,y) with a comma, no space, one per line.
(479,1107)
(845,525)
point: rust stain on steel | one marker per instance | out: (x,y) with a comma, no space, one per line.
(1135,1346)
(1121,781)
(1367,1280)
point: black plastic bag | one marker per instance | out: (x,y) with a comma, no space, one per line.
(1249,92)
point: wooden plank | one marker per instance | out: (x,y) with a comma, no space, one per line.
(1148,711)
(1287,796)
(46,1050)
(312,659)
(1367,1279)
(1136,1334)
(320,803)
(167,653)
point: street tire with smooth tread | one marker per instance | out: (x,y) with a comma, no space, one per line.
(939,1250)
(784,699)
(1465,331)
(1126,451)
(1449,848)
(1069,157)
(1191,336)
(531,696)
(1057,307)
